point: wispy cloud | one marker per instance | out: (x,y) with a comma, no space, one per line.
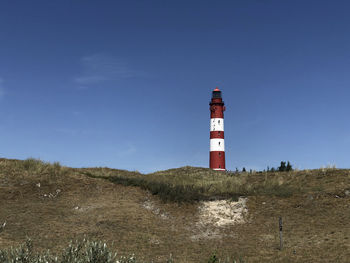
(98,68)
(2,89)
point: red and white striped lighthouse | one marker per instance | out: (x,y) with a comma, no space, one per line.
(217,143)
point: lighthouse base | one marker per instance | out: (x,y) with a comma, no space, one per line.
(217,160)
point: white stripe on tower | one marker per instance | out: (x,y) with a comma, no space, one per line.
(216,124)
(217,145)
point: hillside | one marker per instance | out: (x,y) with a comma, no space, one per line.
(180,211)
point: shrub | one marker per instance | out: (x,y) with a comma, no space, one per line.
(289,167)
(83,251)
(285,168)
(282,167)
(80,251)
(89,251)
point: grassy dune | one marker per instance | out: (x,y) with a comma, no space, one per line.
(157,215)
(191,184)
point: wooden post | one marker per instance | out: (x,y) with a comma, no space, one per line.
(281,237)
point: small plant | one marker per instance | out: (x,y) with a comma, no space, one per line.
(213,258)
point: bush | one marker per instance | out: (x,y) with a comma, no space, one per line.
(88,251)
(282,167)
(83,251)
(80,251)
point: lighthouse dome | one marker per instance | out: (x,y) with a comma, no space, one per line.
(216,93)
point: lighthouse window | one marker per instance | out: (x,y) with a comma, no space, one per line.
(219,154)
(219,143)
(219,132)
(219,166)
(216,94)
(218,121)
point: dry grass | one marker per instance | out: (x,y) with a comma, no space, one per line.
(315,210)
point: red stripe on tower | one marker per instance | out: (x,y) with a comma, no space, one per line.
(217,143)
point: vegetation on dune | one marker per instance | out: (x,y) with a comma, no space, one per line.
(191,184)
(32,166)
(53,204)
(80,251)
(185,184)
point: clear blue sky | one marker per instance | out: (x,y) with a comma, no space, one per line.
(126,84)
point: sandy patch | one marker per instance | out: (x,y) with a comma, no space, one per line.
(223,212)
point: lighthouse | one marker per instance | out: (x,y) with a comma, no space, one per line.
(217,143)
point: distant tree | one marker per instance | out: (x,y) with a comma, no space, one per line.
(243,170)
(273,169)
(237,170)
(283,167)
(289,167)
(268,169)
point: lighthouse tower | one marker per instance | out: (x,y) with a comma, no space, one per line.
(217,143)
